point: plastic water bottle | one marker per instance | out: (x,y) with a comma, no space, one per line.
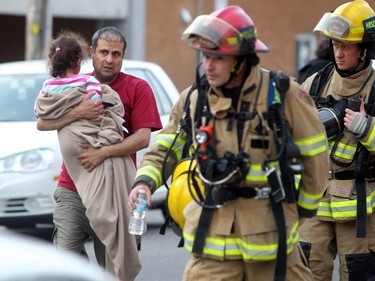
(138,219)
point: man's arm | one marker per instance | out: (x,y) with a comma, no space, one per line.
(93,157)
(87,109)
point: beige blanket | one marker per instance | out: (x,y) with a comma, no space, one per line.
(104,191)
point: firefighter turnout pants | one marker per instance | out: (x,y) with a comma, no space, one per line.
(322,241)
(203,269)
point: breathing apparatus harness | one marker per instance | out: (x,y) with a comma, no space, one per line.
(363,171)
(218,189)
(219,175)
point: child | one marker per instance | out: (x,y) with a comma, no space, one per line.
(65,55)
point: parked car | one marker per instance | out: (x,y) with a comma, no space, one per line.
(23,258)
(30,160)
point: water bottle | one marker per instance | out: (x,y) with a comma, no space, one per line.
(138,219)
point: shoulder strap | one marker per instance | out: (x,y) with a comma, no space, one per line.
(282,81)
(275,114)
(319,81)
(276,106)
(370,106)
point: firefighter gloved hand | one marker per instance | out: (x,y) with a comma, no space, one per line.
(358,125)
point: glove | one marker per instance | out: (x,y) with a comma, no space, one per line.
(359,124)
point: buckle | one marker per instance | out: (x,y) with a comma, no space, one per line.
(262,192)
(370,177)
(331,175)
(274,180)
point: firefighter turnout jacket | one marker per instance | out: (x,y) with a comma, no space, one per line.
(244,228)
(340,199)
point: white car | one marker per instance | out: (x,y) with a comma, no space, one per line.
(23,258)
(30,160)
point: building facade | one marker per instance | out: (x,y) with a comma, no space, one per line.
(153,28)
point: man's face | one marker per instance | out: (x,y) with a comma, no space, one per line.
(346,55)
(218,69)
(107,59)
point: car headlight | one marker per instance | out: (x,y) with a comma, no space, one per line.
(28,161)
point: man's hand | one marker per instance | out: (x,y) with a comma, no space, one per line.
(356,122)
(92,157)
(133,196)
(89,109)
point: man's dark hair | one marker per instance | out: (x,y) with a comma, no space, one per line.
(109,33)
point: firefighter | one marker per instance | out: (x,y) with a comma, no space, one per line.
(345,223)
(234,232)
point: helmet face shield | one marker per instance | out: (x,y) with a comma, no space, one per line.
(213,34)
(337,27)
(351,23)
(228,32)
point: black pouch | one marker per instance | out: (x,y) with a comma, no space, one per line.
(361,266)
(306,249)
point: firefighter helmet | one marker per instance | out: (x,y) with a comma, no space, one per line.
(179,195)
(351,23)
(229,31)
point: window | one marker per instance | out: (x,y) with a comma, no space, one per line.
(306,46)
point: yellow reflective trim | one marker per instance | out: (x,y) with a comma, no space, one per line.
(188,241)
(151,172)
(370,142)
(214,252)
(345,209)
(311,140)
(347,147)
(235,247)
(232,246)
(277,96)
(257,174)
(313,145)
(232,40)
(337,215)
(297,180)
(308,201)
(357,30)
(166,140)
(344,151)
(344,154)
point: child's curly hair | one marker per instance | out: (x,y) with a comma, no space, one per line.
(65,51)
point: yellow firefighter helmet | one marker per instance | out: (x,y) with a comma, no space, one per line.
(351,23)
(179,193)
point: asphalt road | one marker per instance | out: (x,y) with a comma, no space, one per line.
(161,258)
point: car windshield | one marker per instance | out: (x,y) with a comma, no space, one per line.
(18,93)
